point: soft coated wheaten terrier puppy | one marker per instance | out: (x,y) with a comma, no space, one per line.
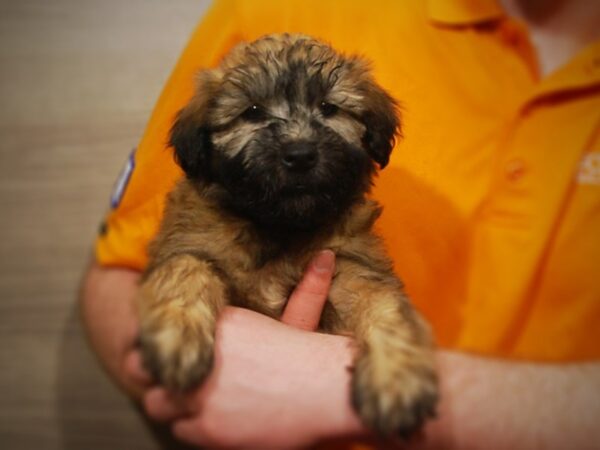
(279,147)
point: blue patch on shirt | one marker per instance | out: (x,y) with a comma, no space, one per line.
(122,181)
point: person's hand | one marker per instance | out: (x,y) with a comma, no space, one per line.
(274,384)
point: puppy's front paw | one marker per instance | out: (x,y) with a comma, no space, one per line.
(178,305)
(394,396)
(180,357)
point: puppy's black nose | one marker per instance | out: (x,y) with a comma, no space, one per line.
(299,156)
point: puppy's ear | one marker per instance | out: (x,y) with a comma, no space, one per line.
(382,119)
(190,135)
(192,145)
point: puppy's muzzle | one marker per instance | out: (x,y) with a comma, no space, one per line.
(300,156)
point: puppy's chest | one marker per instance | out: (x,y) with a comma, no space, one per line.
(263,288)
(260,273)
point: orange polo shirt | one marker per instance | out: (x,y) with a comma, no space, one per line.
(492,199)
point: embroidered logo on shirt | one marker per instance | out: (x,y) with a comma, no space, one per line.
(589,169)
(122,181)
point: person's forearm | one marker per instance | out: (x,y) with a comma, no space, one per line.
(485,402)
(497,404)
(107,310)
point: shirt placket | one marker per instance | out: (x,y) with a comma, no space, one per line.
(533,181)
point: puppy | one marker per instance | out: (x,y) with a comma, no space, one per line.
(279,147)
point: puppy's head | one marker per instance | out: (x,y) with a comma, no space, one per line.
(289,131)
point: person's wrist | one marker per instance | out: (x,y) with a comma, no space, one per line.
(333,358)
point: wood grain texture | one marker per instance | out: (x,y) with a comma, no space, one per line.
(78,80)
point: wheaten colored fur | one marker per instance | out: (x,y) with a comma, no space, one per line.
(211,252)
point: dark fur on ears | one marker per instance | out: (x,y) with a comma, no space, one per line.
(192,147)
(190,135)
(382,120)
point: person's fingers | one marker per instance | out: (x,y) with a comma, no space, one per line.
(190,431)
(162,406)
(305,305)
(134,369)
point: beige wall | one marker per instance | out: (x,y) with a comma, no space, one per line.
(78,79)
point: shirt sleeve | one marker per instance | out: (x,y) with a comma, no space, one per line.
(138,200)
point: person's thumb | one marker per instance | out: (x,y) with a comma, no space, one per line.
(306,303)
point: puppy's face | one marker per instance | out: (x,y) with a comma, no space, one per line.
(289,130)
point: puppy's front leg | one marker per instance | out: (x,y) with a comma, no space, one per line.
(179,302)
(394,385)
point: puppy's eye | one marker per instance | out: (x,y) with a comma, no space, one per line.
(328,109)
(254,114)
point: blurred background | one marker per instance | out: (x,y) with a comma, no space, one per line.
(78,80)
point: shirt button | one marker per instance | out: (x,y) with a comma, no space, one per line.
(515,169)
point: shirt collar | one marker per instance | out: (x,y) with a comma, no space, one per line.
(464,12)
(582,72)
